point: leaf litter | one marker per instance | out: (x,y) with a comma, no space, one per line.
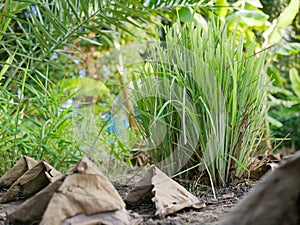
(156,205)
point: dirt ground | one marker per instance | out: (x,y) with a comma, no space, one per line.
(215,208)
(8,207)
(211,214)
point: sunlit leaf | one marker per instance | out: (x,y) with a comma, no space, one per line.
(201,21)
(169,3)
(85,86)
(276,90)
(288,14)
(255,3)
(253,18)
(288,49)
(93,42)
(222,7)
(7,64)
(274,122)
(295,81)
(274,33)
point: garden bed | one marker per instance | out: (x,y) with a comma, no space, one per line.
(211,214)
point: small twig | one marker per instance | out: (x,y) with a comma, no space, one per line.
(104,125)
(256,53)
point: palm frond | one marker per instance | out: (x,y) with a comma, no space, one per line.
(163,4)
(38,28)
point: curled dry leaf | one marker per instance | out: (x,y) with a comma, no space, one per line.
(261,164)
(85,196)
(167,195)
(33,208)
(32,181)
(22,165)
(85,191)
(119,217)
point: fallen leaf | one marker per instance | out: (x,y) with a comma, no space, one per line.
(85,191)
(33,208)
(32,181)
(228,195)
(167,195)
(22,165)
(85,197)
(119,217)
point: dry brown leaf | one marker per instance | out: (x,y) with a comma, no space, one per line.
(32,181)
(33,208)
(119,217)
(167,195)
(83,197)
(262,163)
(85,191)
(22,165)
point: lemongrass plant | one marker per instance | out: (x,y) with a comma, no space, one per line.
(202,102)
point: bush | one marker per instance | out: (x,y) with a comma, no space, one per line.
(35,123)
(202,102)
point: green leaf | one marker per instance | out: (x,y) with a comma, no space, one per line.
(288,14)
(7,64)
(274,33)
(274,122)
(86,86)
(222,7)
(168,3)
(253,18)
(189,15)
(295,81)
(255,3)
(93,42)
(185,14)
(288,49)
(276,89)
(201,21)
(275,76)
(239,163)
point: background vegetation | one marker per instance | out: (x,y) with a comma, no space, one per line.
(57,65)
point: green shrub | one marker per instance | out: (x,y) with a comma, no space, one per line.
(202,102)
(35,123)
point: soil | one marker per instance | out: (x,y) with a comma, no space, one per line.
(215,209)
(10,206)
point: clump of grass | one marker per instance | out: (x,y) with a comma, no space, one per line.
(33,122)
(202,102)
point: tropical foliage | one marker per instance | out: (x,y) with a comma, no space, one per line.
(57,67)
(38,42)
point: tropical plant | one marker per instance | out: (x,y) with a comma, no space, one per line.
(274,25)
(40,42)
(35,36)
(283,70)
(35,124)
(202,98)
